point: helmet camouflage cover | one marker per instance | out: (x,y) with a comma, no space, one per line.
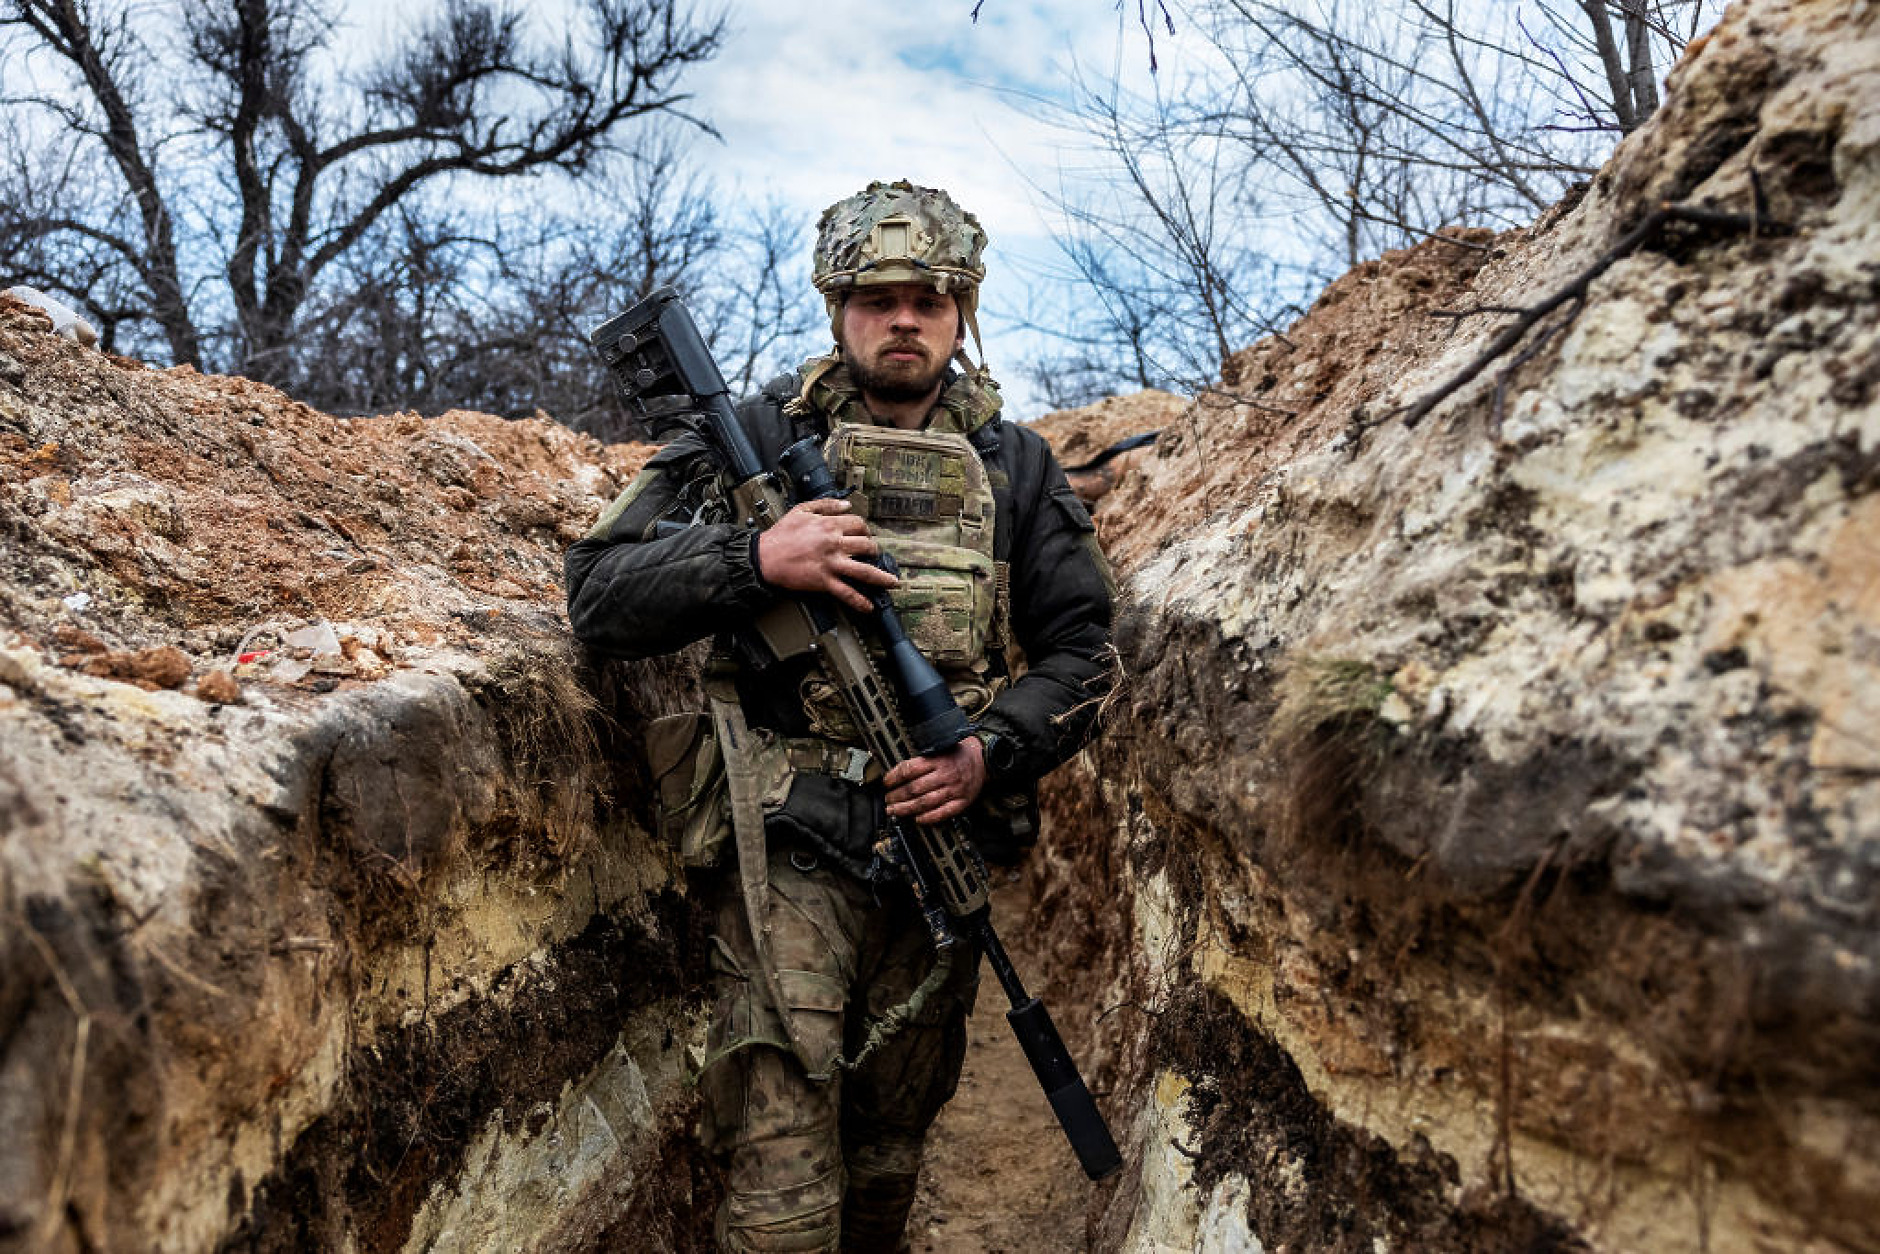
(899,233)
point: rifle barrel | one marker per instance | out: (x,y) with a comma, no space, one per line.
(1051,1063)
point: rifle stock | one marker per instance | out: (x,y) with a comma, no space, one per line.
(655,354)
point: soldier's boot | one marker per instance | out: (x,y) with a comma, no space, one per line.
(882,1184)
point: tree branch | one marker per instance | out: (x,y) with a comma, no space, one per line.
(62,27)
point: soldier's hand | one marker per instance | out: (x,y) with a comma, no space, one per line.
(936,788)
(818,547)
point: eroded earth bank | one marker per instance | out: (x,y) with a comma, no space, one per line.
(1483,852)
(1499,795)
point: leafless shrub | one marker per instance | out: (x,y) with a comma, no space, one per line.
(205,182)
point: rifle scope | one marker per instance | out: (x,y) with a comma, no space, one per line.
(935,722)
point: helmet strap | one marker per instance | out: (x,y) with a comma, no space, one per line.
(959,355)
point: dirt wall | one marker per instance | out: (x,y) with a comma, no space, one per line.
(329,918)
(1495,788)
(1481,853)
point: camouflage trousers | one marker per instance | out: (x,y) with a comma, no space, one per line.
(826,1157)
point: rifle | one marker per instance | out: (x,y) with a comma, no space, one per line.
(655,354)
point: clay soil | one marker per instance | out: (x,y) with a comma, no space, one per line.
(1278,397)
(191,507)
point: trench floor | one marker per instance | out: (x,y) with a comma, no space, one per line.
(999,1176)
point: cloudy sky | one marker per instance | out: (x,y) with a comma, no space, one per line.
(816,99)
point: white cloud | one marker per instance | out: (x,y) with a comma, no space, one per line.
(814,101)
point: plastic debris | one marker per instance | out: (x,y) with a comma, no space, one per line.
(313,654)
(318,636)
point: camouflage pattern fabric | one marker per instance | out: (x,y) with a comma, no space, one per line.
(928,498)
(898,233)
(808,1159)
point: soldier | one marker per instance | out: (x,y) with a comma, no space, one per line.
(837,1032)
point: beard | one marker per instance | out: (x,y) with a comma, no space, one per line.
(898,381)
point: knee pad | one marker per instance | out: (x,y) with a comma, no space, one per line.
(805,1234)
(797,1218)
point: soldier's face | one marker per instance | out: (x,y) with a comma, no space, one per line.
(897,339)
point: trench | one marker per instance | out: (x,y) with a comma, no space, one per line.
(999,1175)
(423,981)
(1243,1119)
(547,1104)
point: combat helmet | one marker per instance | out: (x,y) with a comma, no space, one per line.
(899,233)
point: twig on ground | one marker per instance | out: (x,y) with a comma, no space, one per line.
(1137,1006)
(1476,311)
(1526,355)
(1242,398)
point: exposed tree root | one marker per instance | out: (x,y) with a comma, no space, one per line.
(1572,294)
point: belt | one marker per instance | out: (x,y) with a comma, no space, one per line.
(830,757)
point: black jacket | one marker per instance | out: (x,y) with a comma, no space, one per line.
(631,594)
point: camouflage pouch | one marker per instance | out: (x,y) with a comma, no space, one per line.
(946,599)
(691,796)
(927,498)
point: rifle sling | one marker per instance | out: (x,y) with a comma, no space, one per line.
(747,825)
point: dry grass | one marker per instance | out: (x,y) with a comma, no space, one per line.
(548,722)
(1320,694)
(1325,739)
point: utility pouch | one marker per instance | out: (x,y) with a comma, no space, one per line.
(928,500)
(947,599)
(825,809)
(691,795)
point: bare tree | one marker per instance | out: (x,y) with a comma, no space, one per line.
(1630,41)
(1322,132)
(744,270)
(1154,241)
(433,311)
(1069,378)
(1391,122)
(759,310)
(210,209)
